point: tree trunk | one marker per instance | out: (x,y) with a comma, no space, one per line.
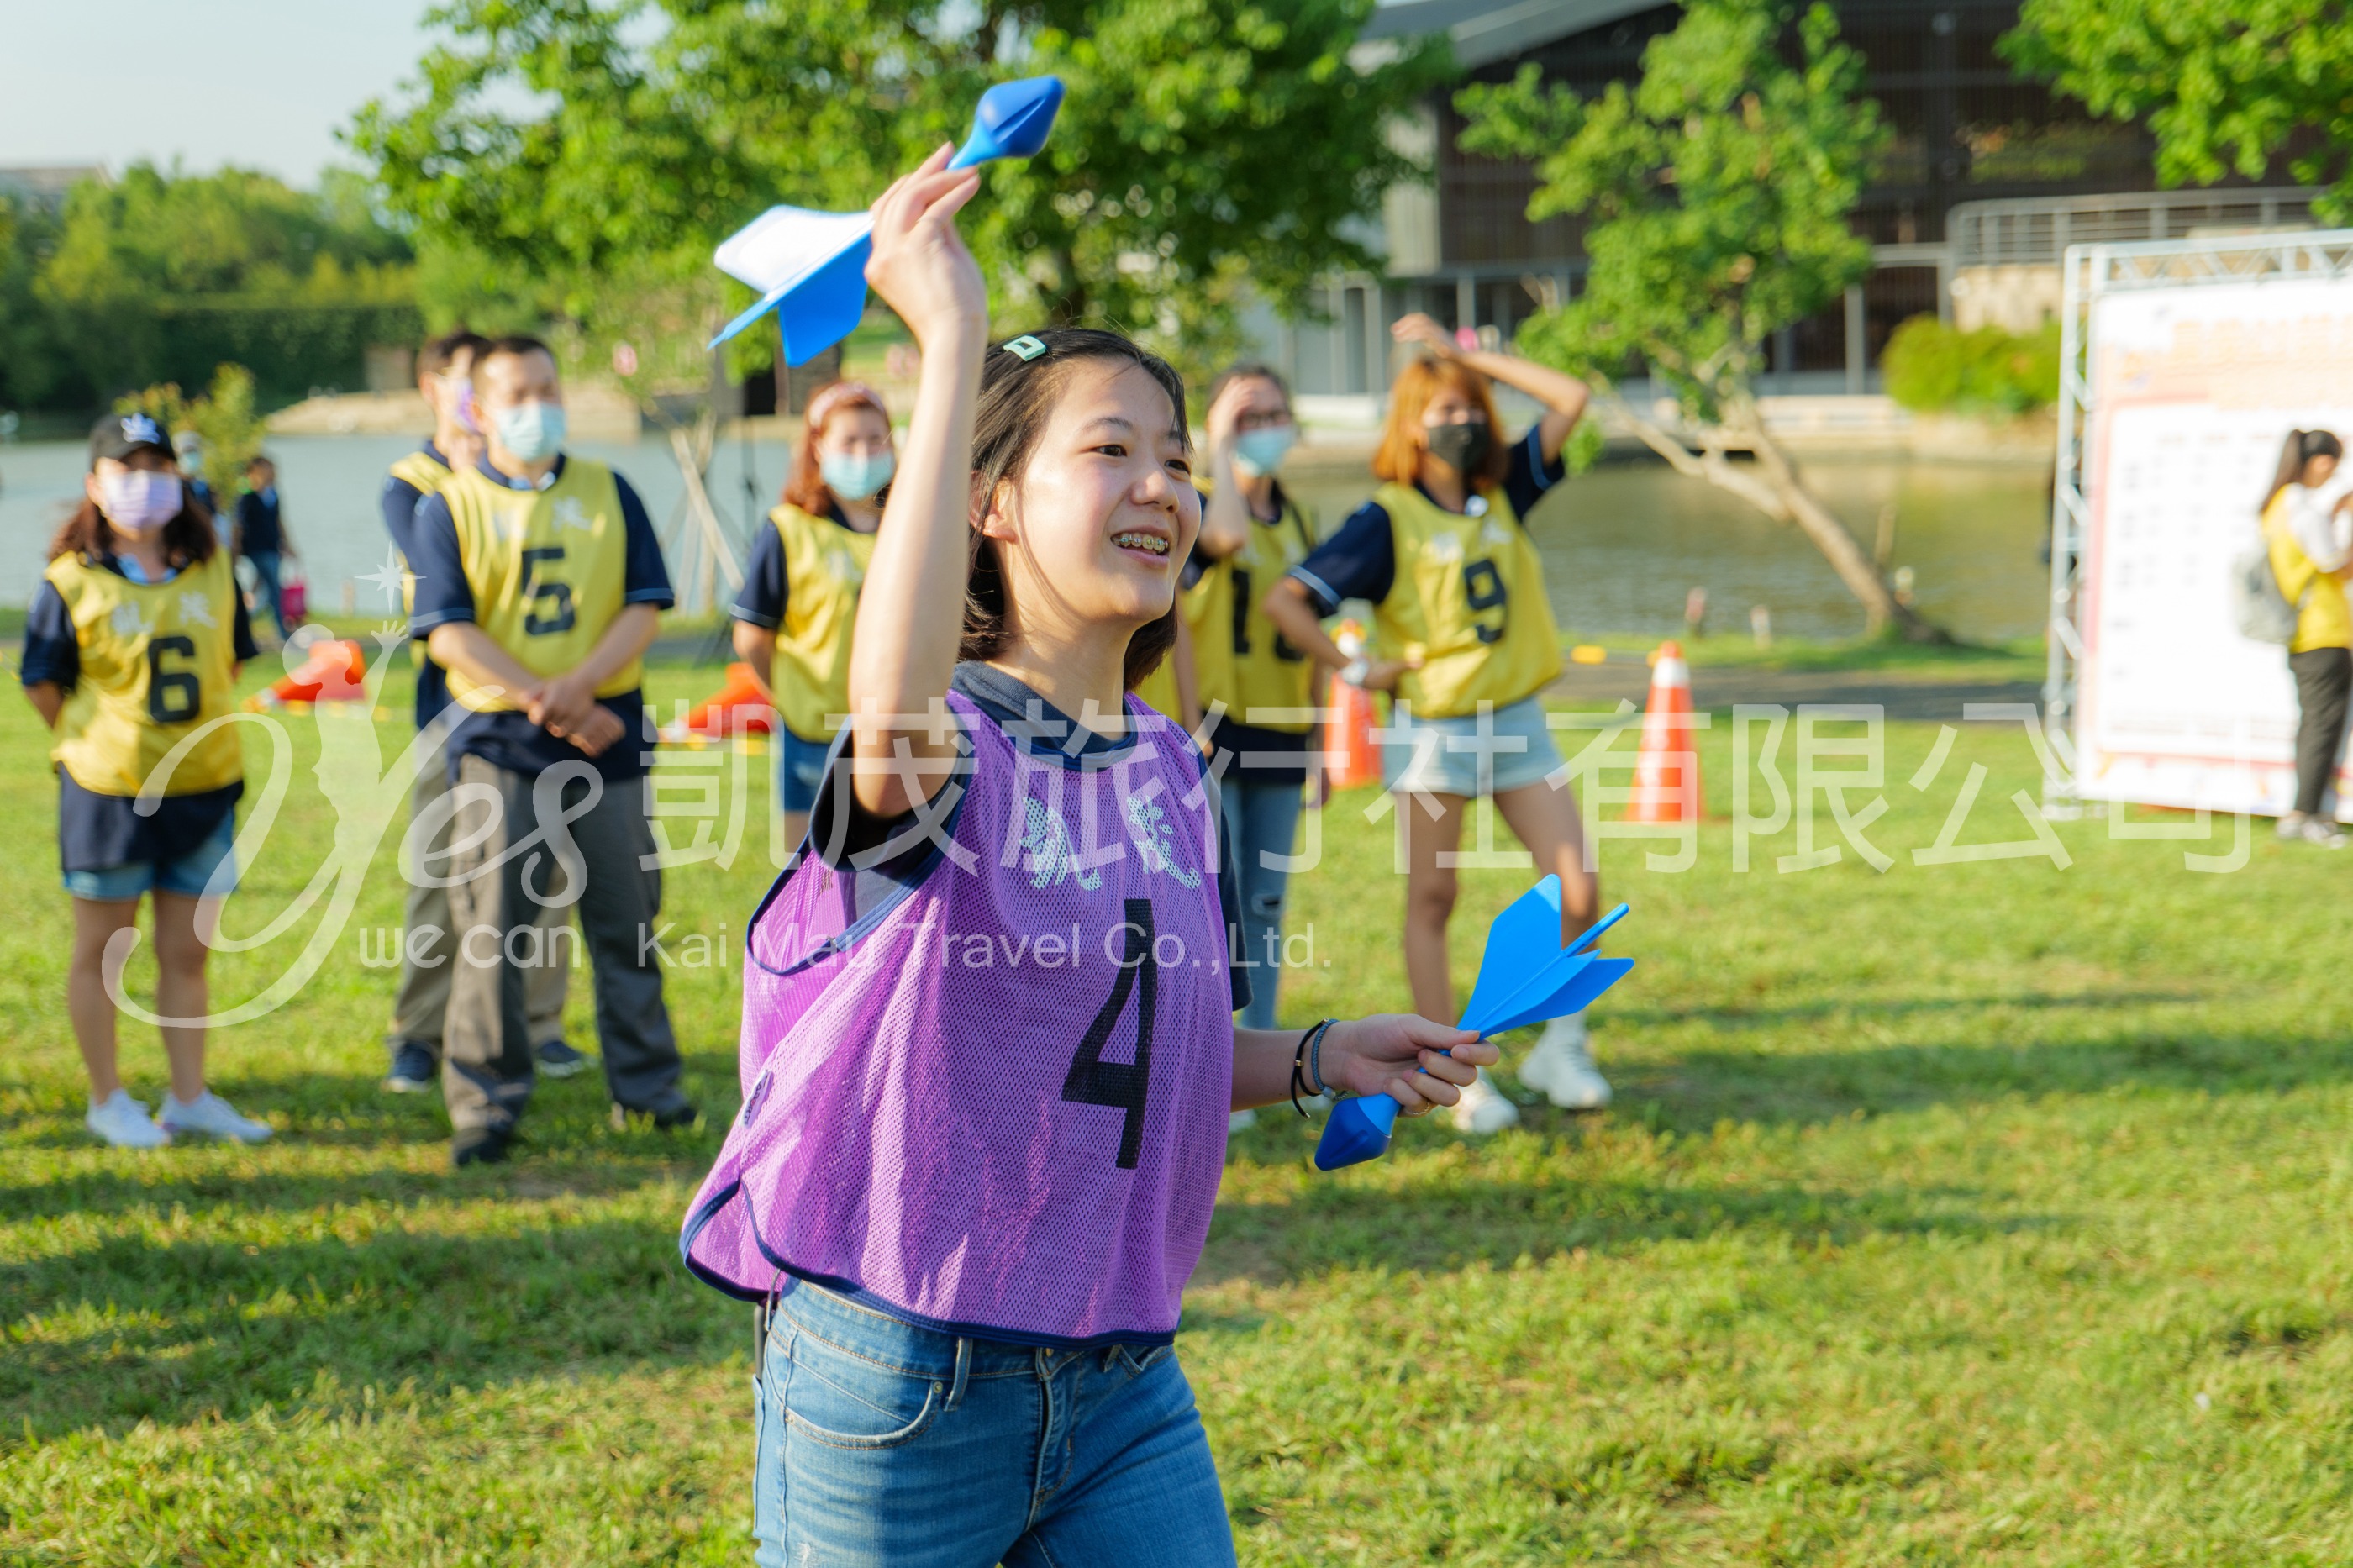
(1862,575)
(1774,487)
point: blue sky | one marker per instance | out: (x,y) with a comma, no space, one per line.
(260,83)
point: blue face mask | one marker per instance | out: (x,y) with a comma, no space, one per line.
(533,432)
(1258,453)
(855,476)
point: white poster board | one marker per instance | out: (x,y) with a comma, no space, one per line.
(2193,389)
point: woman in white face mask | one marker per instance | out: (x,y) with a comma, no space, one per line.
(132,650)
(799,601)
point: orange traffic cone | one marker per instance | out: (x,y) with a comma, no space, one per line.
(737,707)
(1666,769)
(1354,759)
(333,673)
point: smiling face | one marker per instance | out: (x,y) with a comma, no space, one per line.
(1092,532)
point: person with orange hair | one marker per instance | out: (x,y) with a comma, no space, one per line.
(799,602)
(1466,639)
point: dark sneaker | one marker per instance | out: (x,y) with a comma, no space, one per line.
(481,1146)
(671,1118)
(414,1067)
(557,1059)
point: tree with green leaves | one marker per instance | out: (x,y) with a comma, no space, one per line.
(2228,86)
(160,275)
(30,370)
(223,419)
(1202,144)
(1717,192)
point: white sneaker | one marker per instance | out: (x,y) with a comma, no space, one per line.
(1562,1067)
(1237,1119)
(212,1115)
(2291,826)
(1482,1110)
(124,1123)
(2321,831)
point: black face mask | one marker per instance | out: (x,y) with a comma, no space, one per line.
(1462,448)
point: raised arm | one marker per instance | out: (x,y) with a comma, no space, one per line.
(1563,396)
(1225,516)
(911,609)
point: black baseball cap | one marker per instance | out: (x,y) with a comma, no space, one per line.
(118,436)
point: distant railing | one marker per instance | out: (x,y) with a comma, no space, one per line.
(2036,230)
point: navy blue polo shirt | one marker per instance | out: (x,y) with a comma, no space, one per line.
(510,739)
(98,831)
(1359,561)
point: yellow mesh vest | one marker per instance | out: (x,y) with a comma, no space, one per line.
(825,566)
(547,569)
(428,474)
(158,661)
(1239,656)
(1469,601)
(2322,619)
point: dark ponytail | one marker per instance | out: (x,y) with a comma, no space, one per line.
(2302,446)
(1017,397)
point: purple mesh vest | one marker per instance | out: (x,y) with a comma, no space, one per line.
(995,1101)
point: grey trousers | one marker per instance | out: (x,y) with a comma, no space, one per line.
(486,1062)
(2324,680)
(426,963)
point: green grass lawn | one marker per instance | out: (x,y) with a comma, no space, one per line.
(1985,1213)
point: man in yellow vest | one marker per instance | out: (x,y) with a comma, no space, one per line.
(539,586)
(445,377)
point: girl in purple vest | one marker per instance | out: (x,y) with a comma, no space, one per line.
(988,1048)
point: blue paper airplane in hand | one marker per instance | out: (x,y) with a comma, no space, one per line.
(1525,977)
(810,267)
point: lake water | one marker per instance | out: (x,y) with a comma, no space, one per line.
(1621,544)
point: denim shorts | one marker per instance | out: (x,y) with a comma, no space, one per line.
(800,770)
(879,1441)
(1506,748)
(189,875)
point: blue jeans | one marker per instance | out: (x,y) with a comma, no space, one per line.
(880,1443)
(266,564)
(1263,819)
(190,876)
(800,770)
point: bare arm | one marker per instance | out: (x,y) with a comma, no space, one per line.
(911,610)
(1395,1054)
(1286,606)
(756,646)
(1563,396)
(1225,517)
(468,649)
(48,698)
(566,698)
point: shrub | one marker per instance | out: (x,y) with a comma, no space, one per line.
(1931,366)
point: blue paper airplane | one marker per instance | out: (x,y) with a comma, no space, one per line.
(1525,977)
(810,267)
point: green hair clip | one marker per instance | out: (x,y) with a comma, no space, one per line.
(1025,347)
